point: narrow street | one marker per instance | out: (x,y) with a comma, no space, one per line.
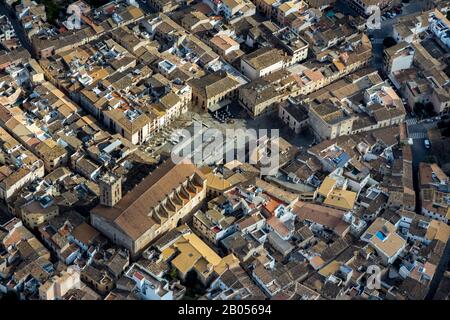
(418,132)
(386,30)
(20,33)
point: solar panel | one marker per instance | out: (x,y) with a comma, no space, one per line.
(367,236)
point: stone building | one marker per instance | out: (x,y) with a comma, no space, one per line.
(156,205)
(110,190)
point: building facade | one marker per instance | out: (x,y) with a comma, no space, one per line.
(156,205)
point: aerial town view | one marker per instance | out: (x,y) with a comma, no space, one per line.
(224,150)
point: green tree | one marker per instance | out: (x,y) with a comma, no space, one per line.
(52,9)
(173,273)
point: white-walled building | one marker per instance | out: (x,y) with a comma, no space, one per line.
(262,62)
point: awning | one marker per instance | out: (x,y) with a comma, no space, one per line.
(217,106)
